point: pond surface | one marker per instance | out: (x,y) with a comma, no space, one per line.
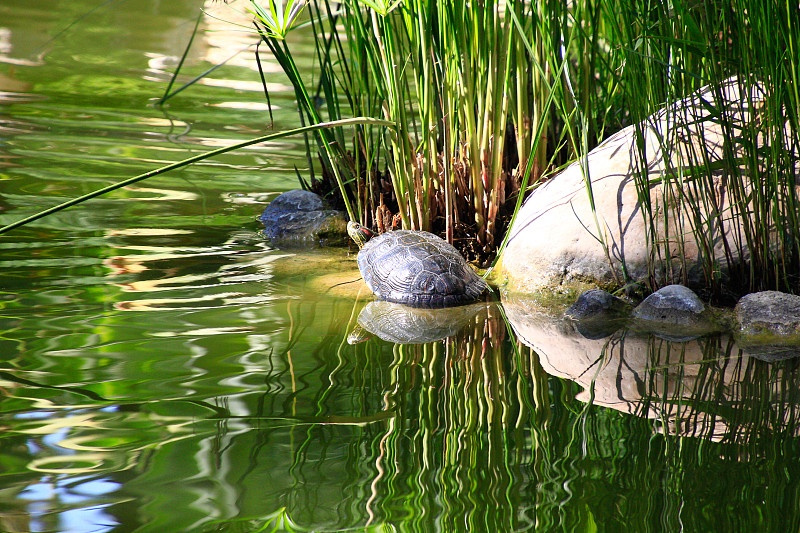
(164,369)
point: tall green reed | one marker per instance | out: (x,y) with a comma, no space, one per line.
(488,97)
(664,52)
(478,101)
(463,411)
(465,90)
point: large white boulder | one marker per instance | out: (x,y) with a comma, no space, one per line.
(558,238)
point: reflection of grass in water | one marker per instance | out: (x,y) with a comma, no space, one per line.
(725,420)
(416,463)
(723,396)
(450,456)
(467,434)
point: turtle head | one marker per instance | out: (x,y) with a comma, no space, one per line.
(359,233)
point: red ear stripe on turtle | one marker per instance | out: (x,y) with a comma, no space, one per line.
(368,234)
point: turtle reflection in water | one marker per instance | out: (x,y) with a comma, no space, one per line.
(401,324)
(415,268)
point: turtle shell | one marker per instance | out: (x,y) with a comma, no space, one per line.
(419,269)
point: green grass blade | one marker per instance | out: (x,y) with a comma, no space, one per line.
(189,161)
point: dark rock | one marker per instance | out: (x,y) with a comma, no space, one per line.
(675,313)
(771,352)
(673,304)
(298,200)
(598,313)
(769,312)
(594,303)
(768,325)
(301,217)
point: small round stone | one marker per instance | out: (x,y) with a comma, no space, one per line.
(673,304)
(771,312)
(592,303)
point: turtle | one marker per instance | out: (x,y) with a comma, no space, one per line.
(299,218)
(415,268)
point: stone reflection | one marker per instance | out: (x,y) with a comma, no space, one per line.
(703,387)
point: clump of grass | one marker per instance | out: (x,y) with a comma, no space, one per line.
(744,47)
(487,97)
(467,88)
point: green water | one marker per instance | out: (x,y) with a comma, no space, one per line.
(164,369)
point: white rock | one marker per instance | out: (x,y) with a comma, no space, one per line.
(556,237)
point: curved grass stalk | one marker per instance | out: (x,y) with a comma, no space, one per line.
(69,26)
(194,159)
(168,95)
